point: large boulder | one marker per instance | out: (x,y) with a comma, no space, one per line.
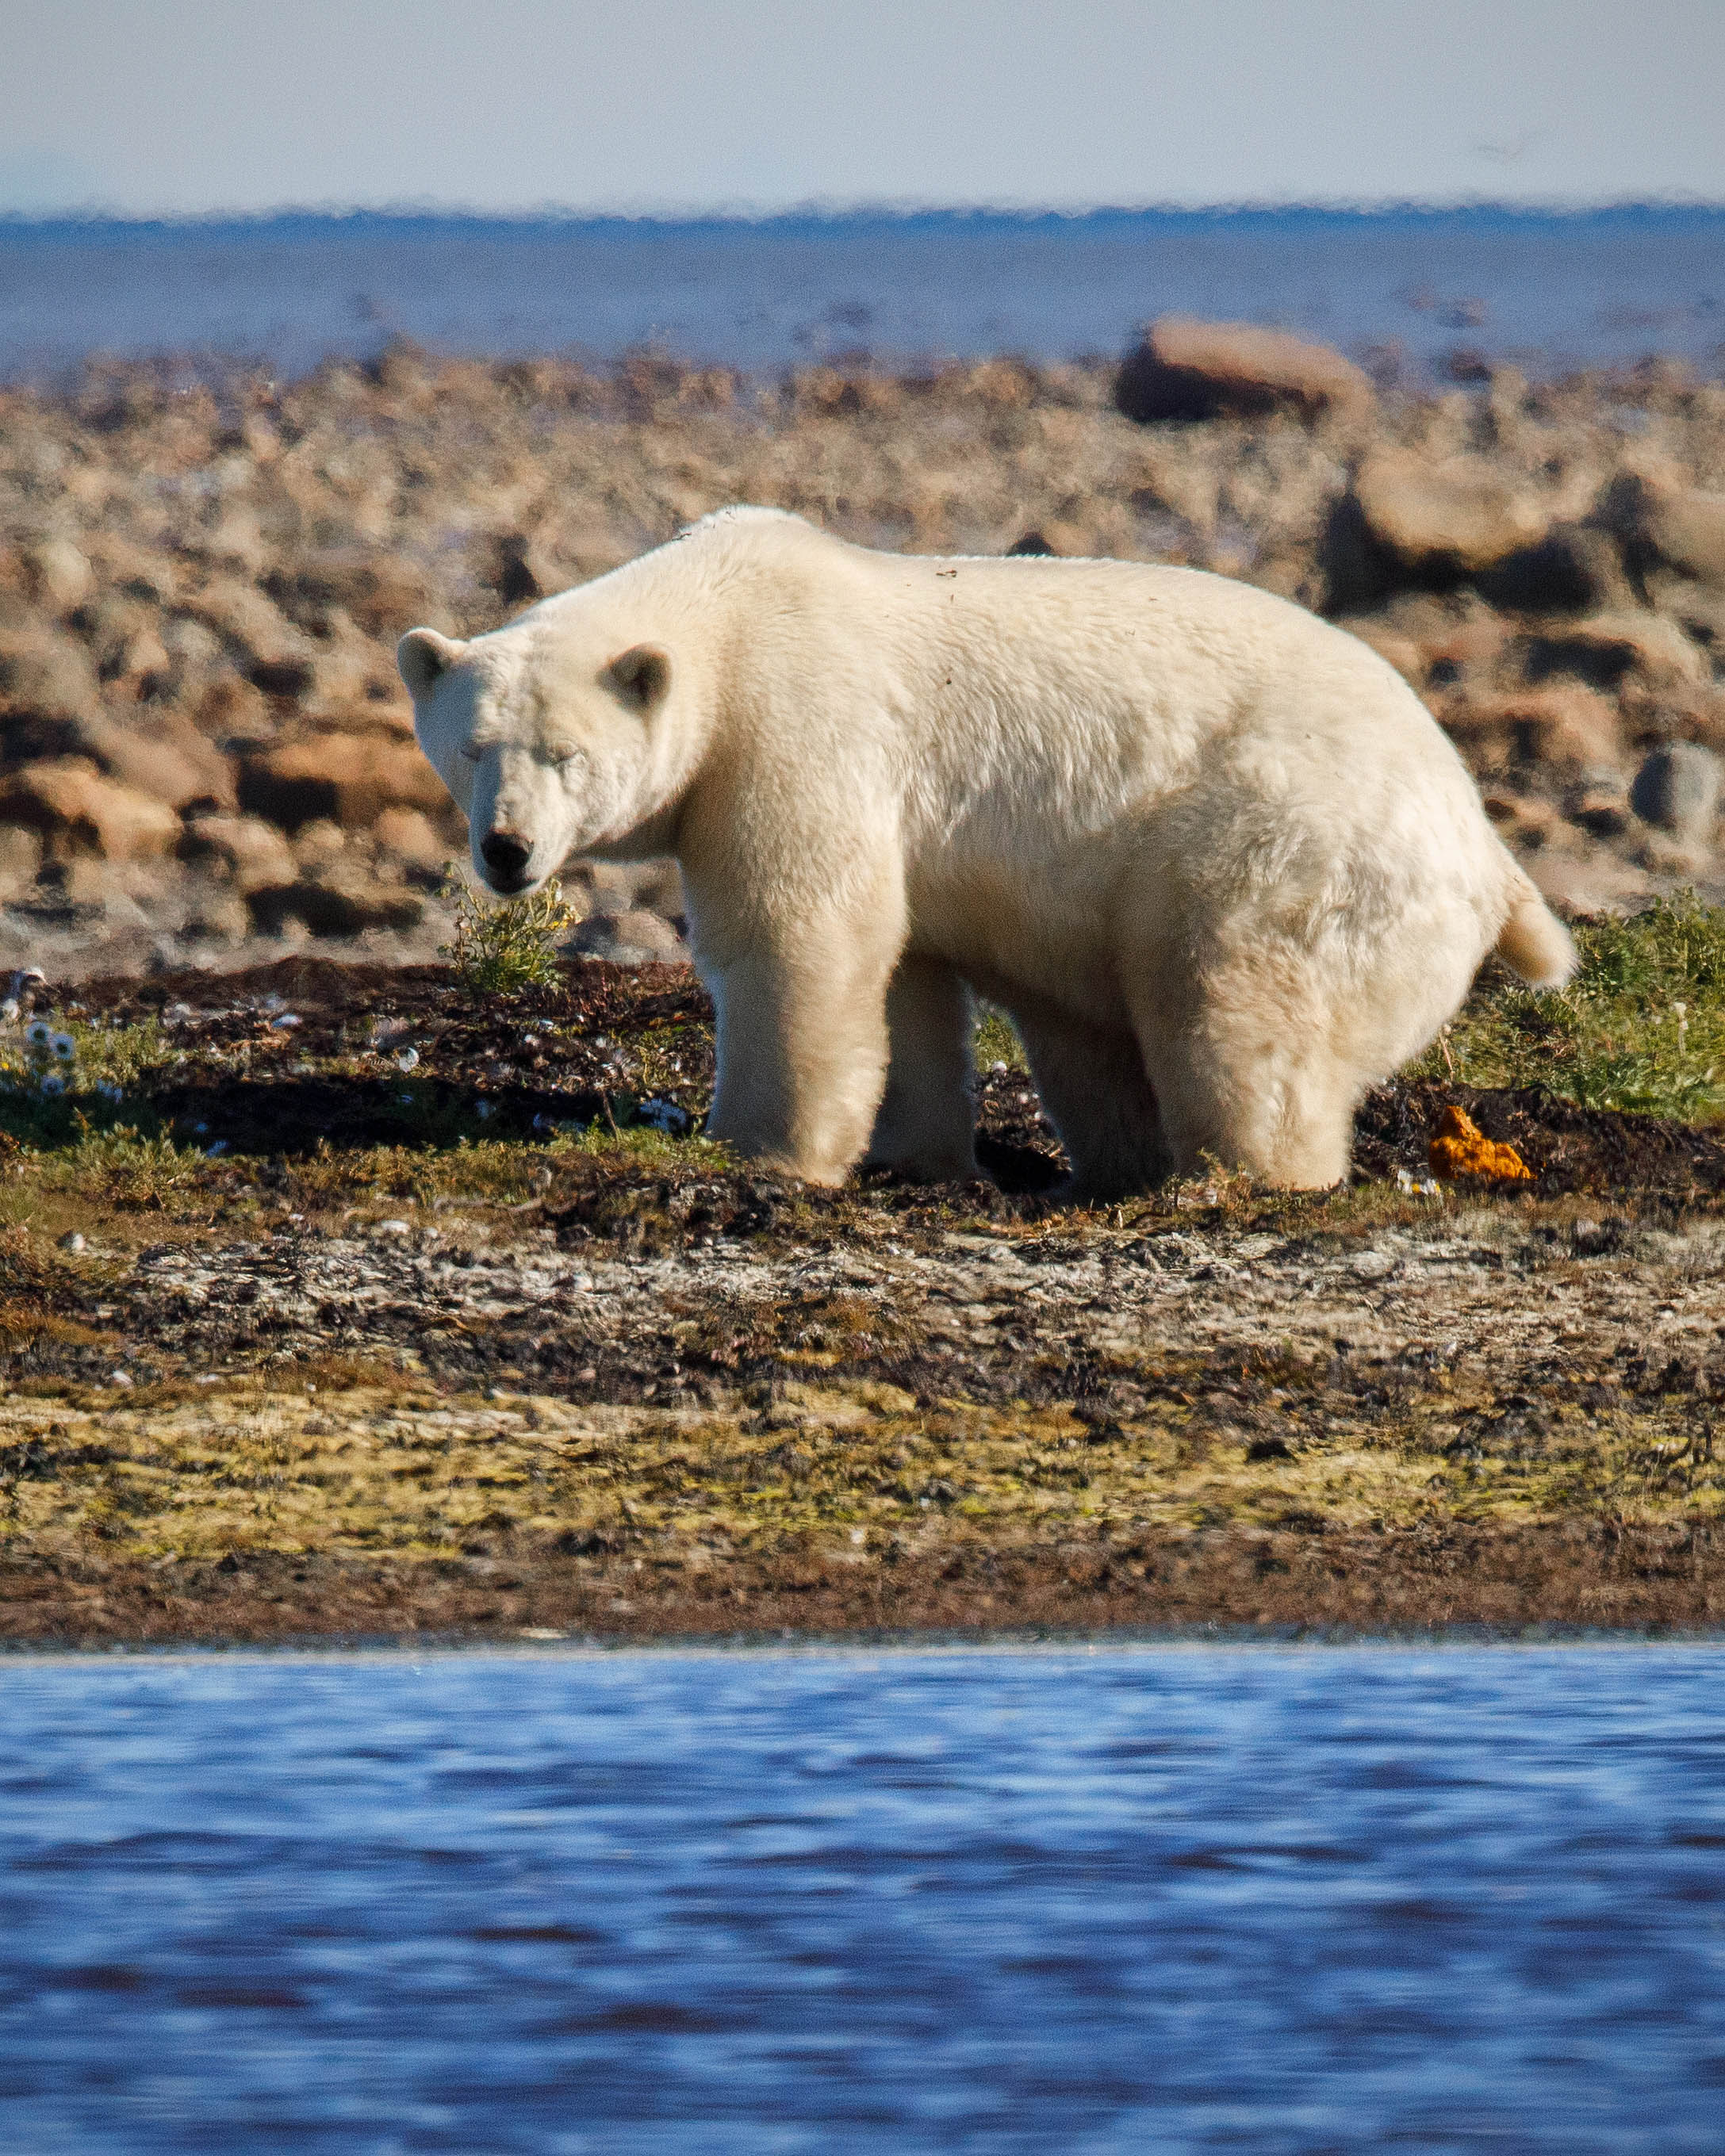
(163,755)
(1663,523)
(1447,520)
(1187,369)
(268,648)
(343,777)
(1565,727)
(48,690)
(1608,649)
(341,901)
(1677,789)
(243,851)
(383,594)
(77,810)
(60,577)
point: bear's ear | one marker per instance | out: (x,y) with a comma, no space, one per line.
(641,677)
(422,655)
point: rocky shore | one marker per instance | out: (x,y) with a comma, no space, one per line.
(338,1299)
(377,1309)
(205,757)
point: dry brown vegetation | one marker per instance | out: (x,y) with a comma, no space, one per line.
(384,1364)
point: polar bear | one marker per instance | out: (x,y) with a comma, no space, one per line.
(1211,853)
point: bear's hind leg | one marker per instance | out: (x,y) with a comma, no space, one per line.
(924,1129)
(1274,1103)
(1097,1095)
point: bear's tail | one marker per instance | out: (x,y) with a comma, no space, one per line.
(1534,942)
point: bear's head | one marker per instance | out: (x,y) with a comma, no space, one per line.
(549,746)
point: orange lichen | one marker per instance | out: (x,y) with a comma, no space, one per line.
(1461,1147)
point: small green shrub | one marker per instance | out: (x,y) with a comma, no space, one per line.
(996,1040)
(1641,1027)
(499,949)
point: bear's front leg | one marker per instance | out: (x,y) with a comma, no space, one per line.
(801,1040)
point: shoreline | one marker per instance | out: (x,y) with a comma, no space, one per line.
(426,1381)
(1506,1592)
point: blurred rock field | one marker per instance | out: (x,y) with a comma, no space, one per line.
(206,759)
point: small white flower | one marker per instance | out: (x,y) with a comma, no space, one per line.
(407,1059)
(39,1032)
(63,1047)
(53,1082)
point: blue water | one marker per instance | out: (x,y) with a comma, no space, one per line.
(1161,1899)
(1553,290)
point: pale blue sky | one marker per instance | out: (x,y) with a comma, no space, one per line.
(192,105)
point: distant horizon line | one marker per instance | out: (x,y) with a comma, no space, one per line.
(819,211)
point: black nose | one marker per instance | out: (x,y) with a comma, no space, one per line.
(506,858)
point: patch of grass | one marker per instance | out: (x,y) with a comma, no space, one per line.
(499,949)
(638,1144)
(121,1166)
(1641,1026)
(996,1040)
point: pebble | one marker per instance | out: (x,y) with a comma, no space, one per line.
(72,1241)
(391,1228)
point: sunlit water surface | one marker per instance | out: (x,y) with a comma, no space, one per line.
(1552,290)
(1162,1898)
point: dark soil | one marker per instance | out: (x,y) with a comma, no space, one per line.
(635,1391)
(1584,1576)
(545,1057)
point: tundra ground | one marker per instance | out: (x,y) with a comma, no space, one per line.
(405,1318)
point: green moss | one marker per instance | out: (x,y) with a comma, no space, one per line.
(996,1040)
(1641,1026)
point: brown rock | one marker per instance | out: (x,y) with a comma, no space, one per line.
(1662,522)
(411,839)
(60,577)
(1523,819)
(382,594)
(268,649)
(1446,520)
(348,779)
(1568,727)
(1187,369)
(339,902)
(243,851)
(637,938)
(234,712)
(1609,647)
(45,678)
(78,811)
(164,755)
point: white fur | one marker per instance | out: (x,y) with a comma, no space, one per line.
(1212,854)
